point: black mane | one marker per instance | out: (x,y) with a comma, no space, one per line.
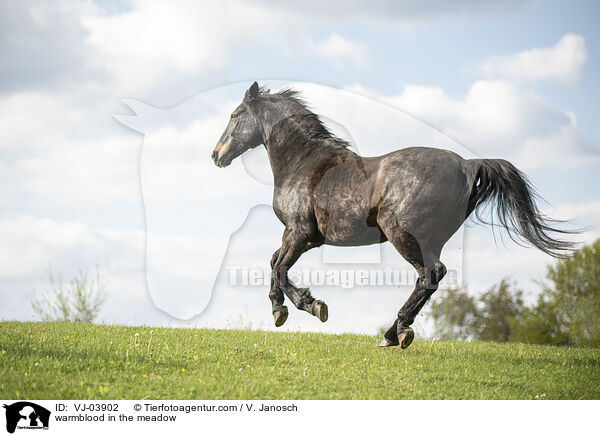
(313,128)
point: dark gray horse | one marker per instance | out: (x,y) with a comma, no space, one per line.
(416,198)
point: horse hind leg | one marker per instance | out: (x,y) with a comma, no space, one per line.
(400,333)
(430,271)
(426,285)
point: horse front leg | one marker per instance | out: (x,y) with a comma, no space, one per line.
(293,245)
(279,310)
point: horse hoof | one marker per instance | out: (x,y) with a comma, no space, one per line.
(385,342)
(320,310)
(405,337)
(280,316)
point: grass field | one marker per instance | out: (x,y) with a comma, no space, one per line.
(79,361)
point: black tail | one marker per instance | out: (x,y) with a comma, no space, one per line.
(499,182)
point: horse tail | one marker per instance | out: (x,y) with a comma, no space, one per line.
(500,183)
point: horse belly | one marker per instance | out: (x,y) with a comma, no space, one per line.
(343,206)
(348,224)
(344,233)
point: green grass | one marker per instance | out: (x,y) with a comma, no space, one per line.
(79,361)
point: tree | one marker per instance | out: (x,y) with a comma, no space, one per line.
(80,300)
(457,315)
(568,310)
(454,312)
(540,325)
(498,306)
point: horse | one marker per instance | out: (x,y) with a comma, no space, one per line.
(416,198)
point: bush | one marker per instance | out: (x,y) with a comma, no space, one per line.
(80,300)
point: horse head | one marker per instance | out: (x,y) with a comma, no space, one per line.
(242,133)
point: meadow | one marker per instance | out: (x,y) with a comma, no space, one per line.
(63,360)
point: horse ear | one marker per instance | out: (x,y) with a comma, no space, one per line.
(252,92)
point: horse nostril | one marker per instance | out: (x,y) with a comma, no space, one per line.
(214,155)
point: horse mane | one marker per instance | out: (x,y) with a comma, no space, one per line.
(314,129)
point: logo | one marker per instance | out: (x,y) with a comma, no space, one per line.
(26,415)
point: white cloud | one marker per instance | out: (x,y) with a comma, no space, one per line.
(562,62)
(30,244)
(59,152)
(392,10)
(340,51)
(498,119)
(91,172)
(153,42)
(42,43)
(157,43)
(585,215)
(32,121)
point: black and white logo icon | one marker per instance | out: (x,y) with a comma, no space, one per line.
(26,415)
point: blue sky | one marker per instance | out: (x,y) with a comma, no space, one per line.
(515,80)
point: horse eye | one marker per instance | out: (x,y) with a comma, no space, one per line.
(237,114)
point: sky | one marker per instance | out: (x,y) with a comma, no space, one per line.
(109,111)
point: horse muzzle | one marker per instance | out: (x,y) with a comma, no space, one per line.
(219,155)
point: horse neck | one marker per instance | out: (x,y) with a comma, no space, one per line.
(286,142)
